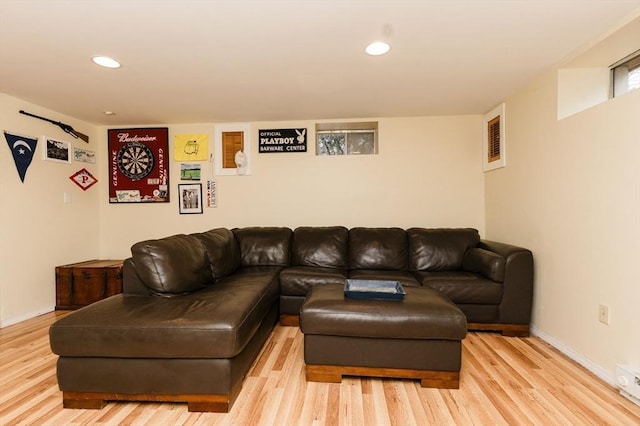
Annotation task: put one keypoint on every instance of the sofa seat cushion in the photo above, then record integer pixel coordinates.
(463, 287)
(216, 322)
(297, 280)
(406, 279)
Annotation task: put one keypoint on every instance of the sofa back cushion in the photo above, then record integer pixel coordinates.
(263, 246)
(439, 249)
(172, 265)
(222, 251)
(378, 248)
(325, 247)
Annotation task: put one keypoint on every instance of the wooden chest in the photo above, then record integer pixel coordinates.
(80, 284)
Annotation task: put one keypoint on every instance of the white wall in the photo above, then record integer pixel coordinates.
(427, 173)
(571, 193)
(37, 230)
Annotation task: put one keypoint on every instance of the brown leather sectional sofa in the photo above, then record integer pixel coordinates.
(196, 309)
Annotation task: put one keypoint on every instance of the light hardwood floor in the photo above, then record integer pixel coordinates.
(504, 381)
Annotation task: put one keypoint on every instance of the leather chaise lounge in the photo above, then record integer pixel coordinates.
(196, 309)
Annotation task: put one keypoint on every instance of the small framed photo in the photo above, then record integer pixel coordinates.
(84, 155)
(189, 171)
(190, 201)
(56, 150)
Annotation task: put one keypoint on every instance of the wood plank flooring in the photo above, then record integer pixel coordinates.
(504, 381)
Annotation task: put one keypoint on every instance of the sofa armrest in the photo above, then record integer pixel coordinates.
(517, 296)
(487, 263)
(131, 283)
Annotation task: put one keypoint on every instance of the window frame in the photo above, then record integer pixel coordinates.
(620, 71)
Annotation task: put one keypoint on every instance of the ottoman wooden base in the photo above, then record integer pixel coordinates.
(419, 337)
(428, 379)
(195, 403)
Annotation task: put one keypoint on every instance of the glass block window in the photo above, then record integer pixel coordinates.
(346, 138)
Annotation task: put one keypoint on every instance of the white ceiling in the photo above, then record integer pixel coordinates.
(251, 60)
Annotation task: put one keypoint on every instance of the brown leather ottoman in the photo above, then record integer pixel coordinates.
(419, 337)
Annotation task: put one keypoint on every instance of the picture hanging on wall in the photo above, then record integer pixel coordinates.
(190, 198)
(84, 155)
(22, 149)
(139, 165)
(189, 171)
(232, 150)
(282, 140)
(83, 179)
(191, 147)
(493, 146)
(56, 150)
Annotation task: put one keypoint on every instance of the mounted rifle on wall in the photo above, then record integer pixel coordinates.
(67, 128)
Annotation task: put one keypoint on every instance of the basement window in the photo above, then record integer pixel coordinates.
(347, 138)
(625, 74)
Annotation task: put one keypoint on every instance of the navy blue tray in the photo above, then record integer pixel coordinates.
(374, 289)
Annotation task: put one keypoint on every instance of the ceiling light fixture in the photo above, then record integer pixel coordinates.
(105, 61)
(377, 48)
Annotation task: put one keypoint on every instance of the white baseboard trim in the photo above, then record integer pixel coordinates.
(599, 371)
(24, 317)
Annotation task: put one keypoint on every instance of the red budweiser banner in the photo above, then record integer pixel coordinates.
(139, 165)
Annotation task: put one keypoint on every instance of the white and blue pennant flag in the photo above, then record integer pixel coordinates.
(22, 148)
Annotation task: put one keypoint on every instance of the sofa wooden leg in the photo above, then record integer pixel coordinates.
(76, 401)
(442, 380)
(290, 320)
(208, 407)
(320, 373)
(516, 332)
(509, 330)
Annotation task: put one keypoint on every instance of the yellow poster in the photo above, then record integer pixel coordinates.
(191, 147)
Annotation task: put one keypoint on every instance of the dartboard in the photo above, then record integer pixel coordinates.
(135, 160)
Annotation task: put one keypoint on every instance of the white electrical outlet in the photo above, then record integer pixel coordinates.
(603, 314)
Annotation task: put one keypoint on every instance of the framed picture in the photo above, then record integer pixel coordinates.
(138, 165)
(189, 171)
(232, 149)
(494, 139)
(56, 150)
(84, 155)
(190, 198)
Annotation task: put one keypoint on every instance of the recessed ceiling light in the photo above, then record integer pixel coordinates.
(377, 48)
(105, 61)
(109, 113)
